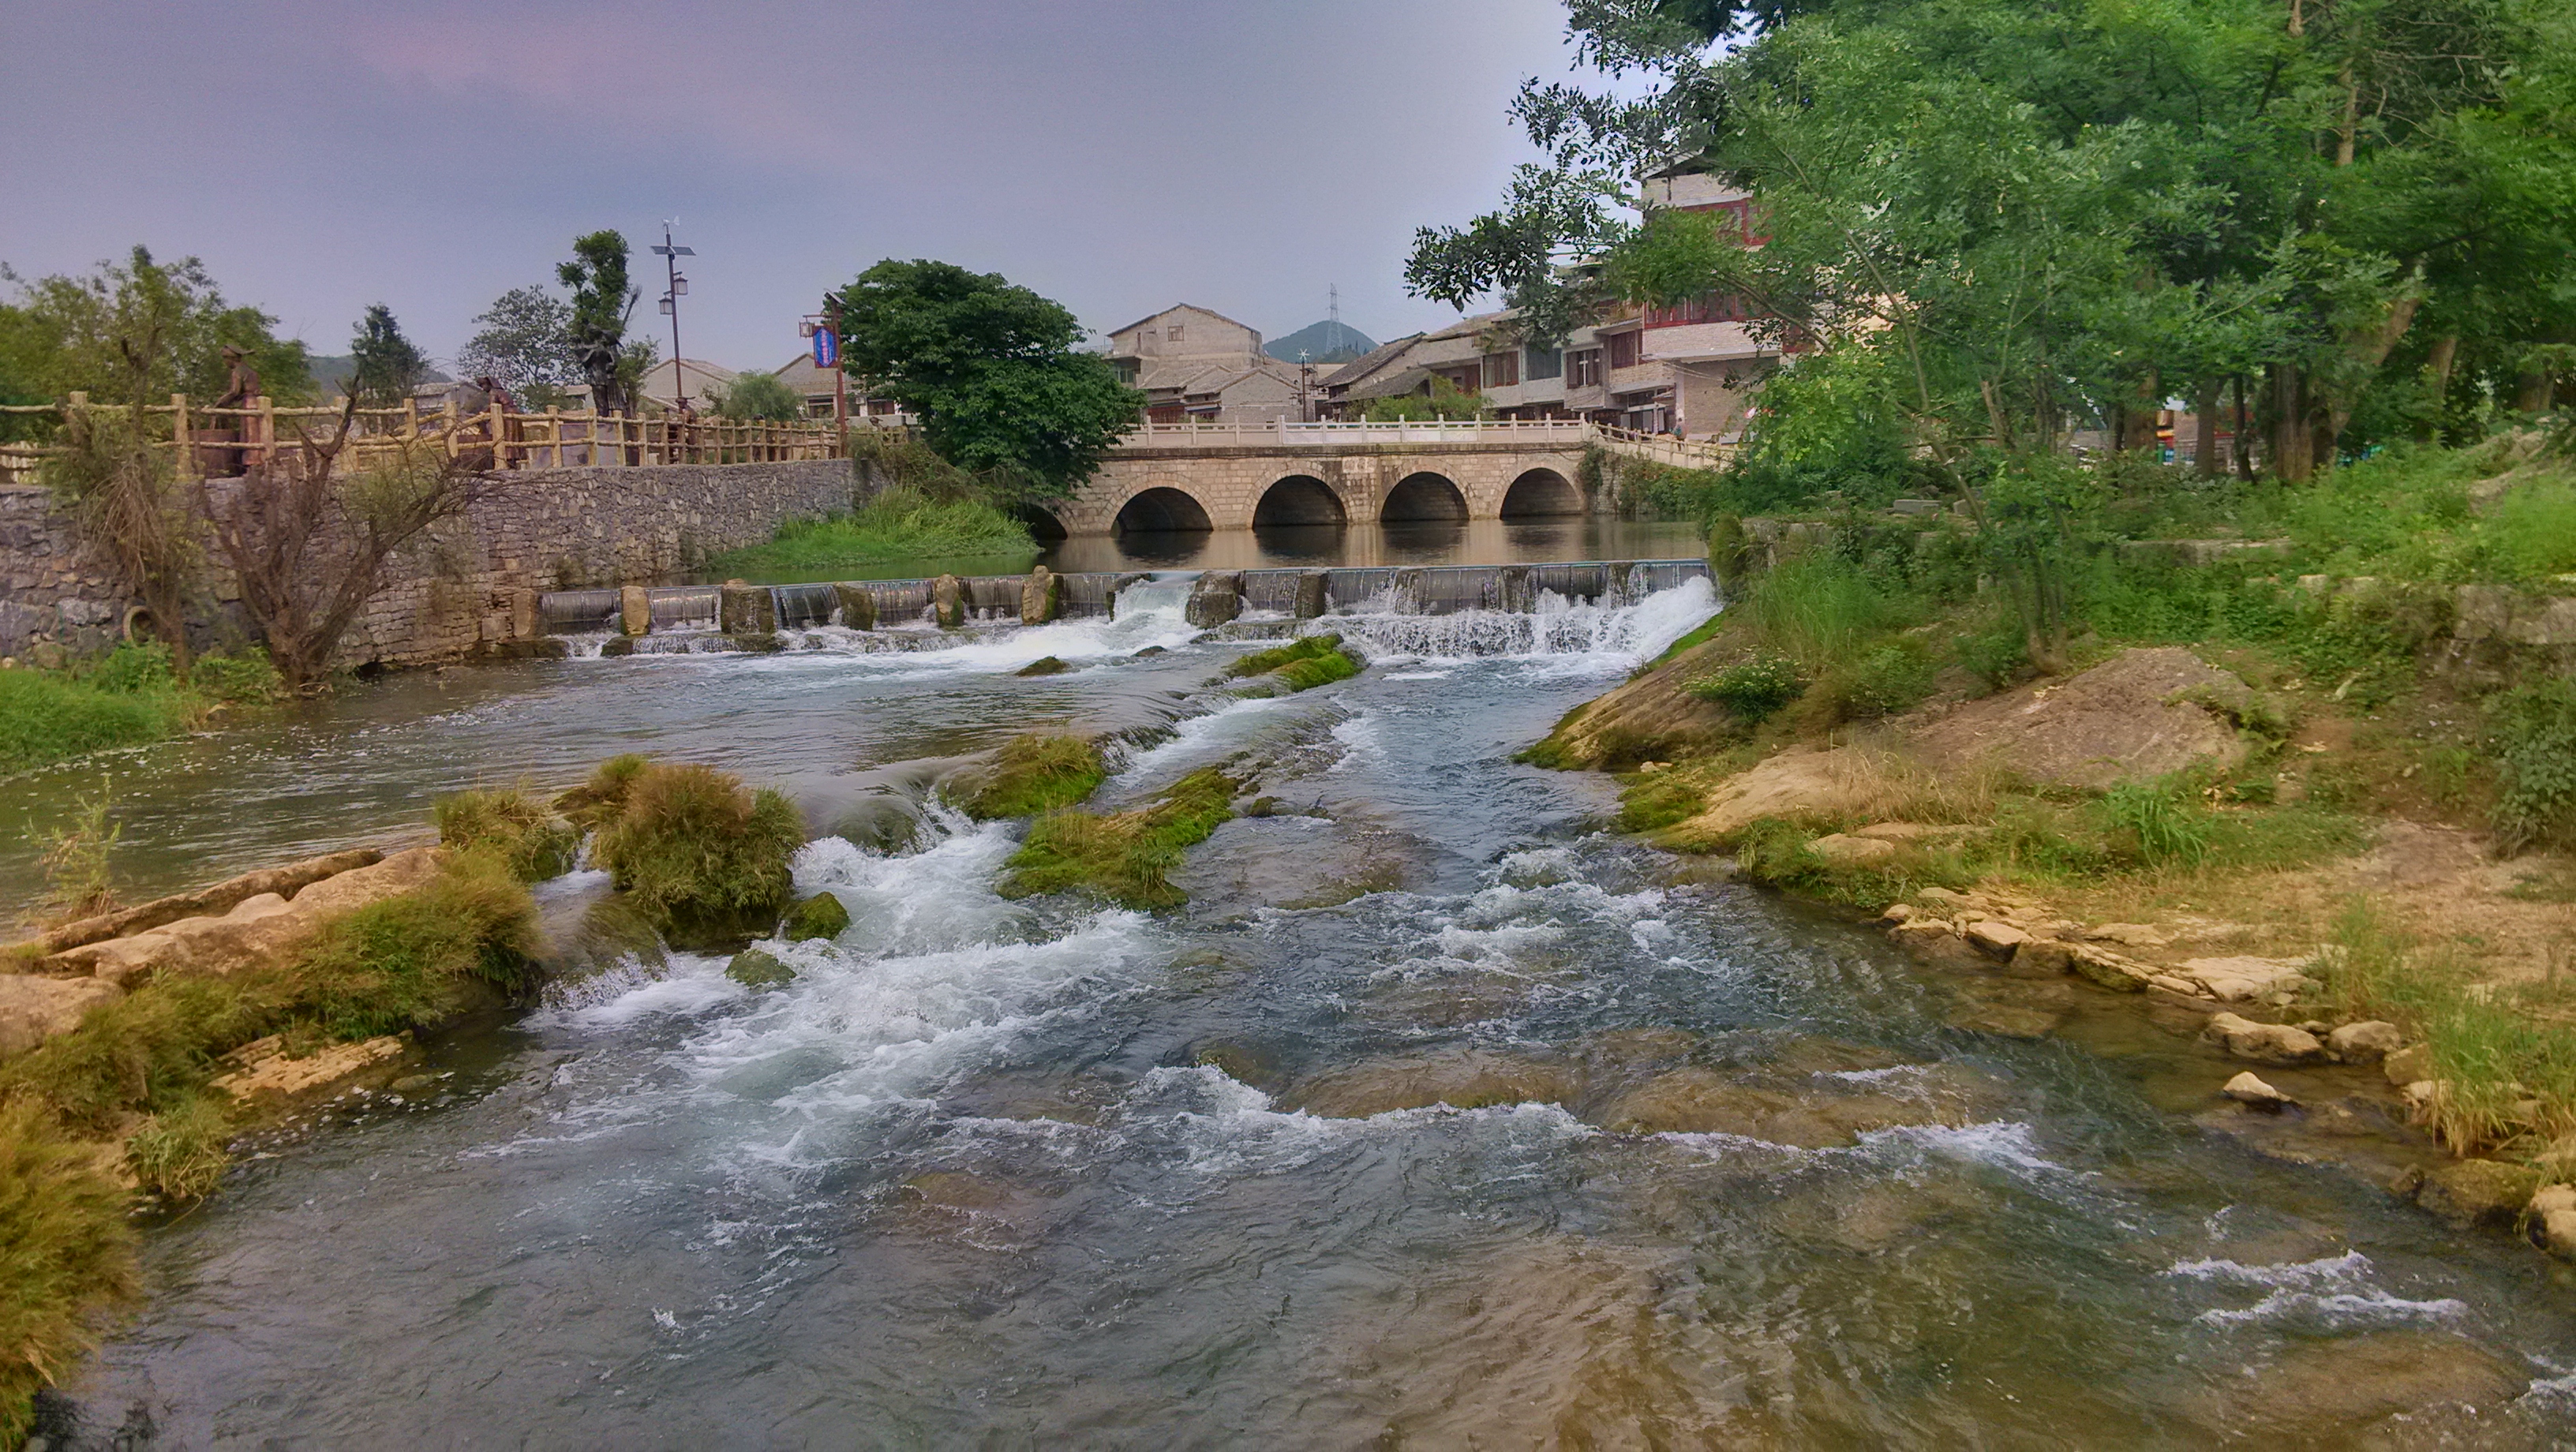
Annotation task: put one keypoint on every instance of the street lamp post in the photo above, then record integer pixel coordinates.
(671, 254)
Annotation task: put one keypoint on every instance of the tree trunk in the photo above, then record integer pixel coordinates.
(2368, 348)
(2243, 443)
(2293, 445)
(2437, 385)
(2204, 443)
(2533, 390)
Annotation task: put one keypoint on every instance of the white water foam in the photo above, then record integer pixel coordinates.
(2334, 1292)
(1558, 627)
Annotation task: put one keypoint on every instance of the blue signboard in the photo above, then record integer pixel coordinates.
(827, 348)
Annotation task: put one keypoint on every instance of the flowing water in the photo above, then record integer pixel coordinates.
(996, 1173)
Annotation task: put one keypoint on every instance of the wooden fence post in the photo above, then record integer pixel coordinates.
(554, 434)
(451, 421)
(185, 465)
(267, 426)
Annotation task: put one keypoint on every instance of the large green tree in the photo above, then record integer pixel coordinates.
(990, 369)
(77, 334)
(385, 366)
(523, 342)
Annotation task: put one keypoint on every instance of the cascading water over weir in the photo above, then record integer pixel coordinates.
(1481, 609)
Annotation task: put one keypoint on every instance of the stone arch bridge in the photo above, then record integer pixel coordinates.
(1223, 477)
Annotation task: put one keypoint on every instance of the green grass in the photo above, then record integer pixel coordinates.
(692, 846)
(1036, 773)
(128, 697)
(532, 840)
(1319, 670)
(1262, 662)
(66, 1255)
(1123, 856)
(897, 524)
(2505, 1055)
(68, 1258)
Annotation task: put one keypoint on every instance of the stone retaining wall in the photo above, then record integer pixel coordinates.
(469, 586)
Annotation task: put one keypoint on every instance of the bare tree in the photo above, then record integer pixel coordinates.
(308, 545)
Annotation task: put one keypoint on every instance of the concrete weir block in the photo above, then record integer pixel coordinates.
(1216, 599)
(1310, 595)
(747, 609)
(858, 606)
(1042, 598)
(634, 610)
(948, 602)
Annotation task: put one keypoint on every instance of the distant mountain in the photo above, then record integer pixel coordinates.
(1324, 342)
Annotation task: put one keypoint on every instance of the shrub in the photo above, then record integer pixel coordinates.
(1755, 690)
(1887, 679)
(1036, 773)
(701, 852)
(1820, 607)
(68, 1254)
(597, 802)
(180, 1153)
(77, 884)
(237, 679)
(534, 842)
(133, 666)
(1123, 856)
(2533, 729)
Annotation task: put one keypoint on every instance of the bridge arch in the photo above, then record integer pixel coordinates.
(1300, 499)
(1424, 496)
(1542, 494)
(1162, 510)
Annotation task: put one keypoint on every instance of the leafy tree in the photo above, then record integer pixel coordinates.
(990, 370)
(524, 343)
(602, 301)
(69, 334)
(1444, 401)
(386, 365)
(760, 396)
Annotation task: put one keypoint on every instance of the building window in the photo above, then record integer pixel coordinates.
(1545, 363)
(1623, 350)
(1583, 369)
(1502, 370)
(1172, 334)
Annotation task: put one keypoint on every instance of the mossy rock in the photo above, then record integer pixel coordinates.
(1261, 662)
(819, 916)
(753, 968)
(1045, 665)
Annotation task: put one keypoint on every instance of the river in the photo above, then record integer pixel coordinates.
(1000, 1173)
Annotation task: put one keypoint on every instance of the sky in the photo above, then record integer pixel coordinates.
(1116, 155)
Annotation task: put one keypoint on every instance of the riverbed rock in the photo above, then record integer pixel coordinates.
(397, 874)
(1796, 781)
(1843, 850)
(267, 1073)
(2364, 1043)
(2131, 935)
(1045, 665)
(1459, 1078)
(753, 968)
(34, 1008)
(948, 602)
(2245, 1088)
(2408, 1065)
(2557, 1233)
(2264, 1043)
(2005, 1020)
(1041, 597)
(2042, 958)
(285, 881)
(1995, 936)
(821, 916)
(2109, 970)
(2478, 1192)
(2136, 716)
(2236, 980)
(2350, 1391)
(1215, 599)
(1935, 943)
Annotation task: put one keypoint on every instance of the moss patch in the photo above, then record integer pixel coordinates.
(1262, 662)
(1036, 773)
(819, 916)
(1321, 670)
(1123, 856)
(753, 968)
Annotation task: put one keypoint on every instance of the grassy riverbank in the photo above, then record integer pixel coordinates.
(130, 697)
(2371, 792)
(899, 524)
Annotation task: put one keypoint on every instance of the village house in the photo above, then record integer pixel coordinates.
(1691, 369)
(1198, 366)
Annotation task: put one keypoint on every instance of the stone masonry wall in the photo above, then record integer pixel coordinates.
(469, 585)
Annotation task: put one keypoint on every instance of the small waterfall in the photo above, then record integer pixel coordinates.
(802, 607)
(577, 612)
(688, 608)
(1558, 626)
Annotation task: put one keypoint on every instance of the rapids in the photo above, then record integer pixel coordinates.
(1002, 1173)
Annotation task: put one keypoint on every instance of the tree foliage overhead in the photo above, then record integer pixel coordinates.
(385, 365)
(73, 334)
(759, 396)
(989, 368)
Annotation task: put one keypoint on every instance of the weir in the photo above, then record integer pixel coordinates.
(905, 609)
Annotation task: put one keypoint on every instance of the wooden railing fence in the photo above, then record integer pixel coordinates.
(218, 442)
